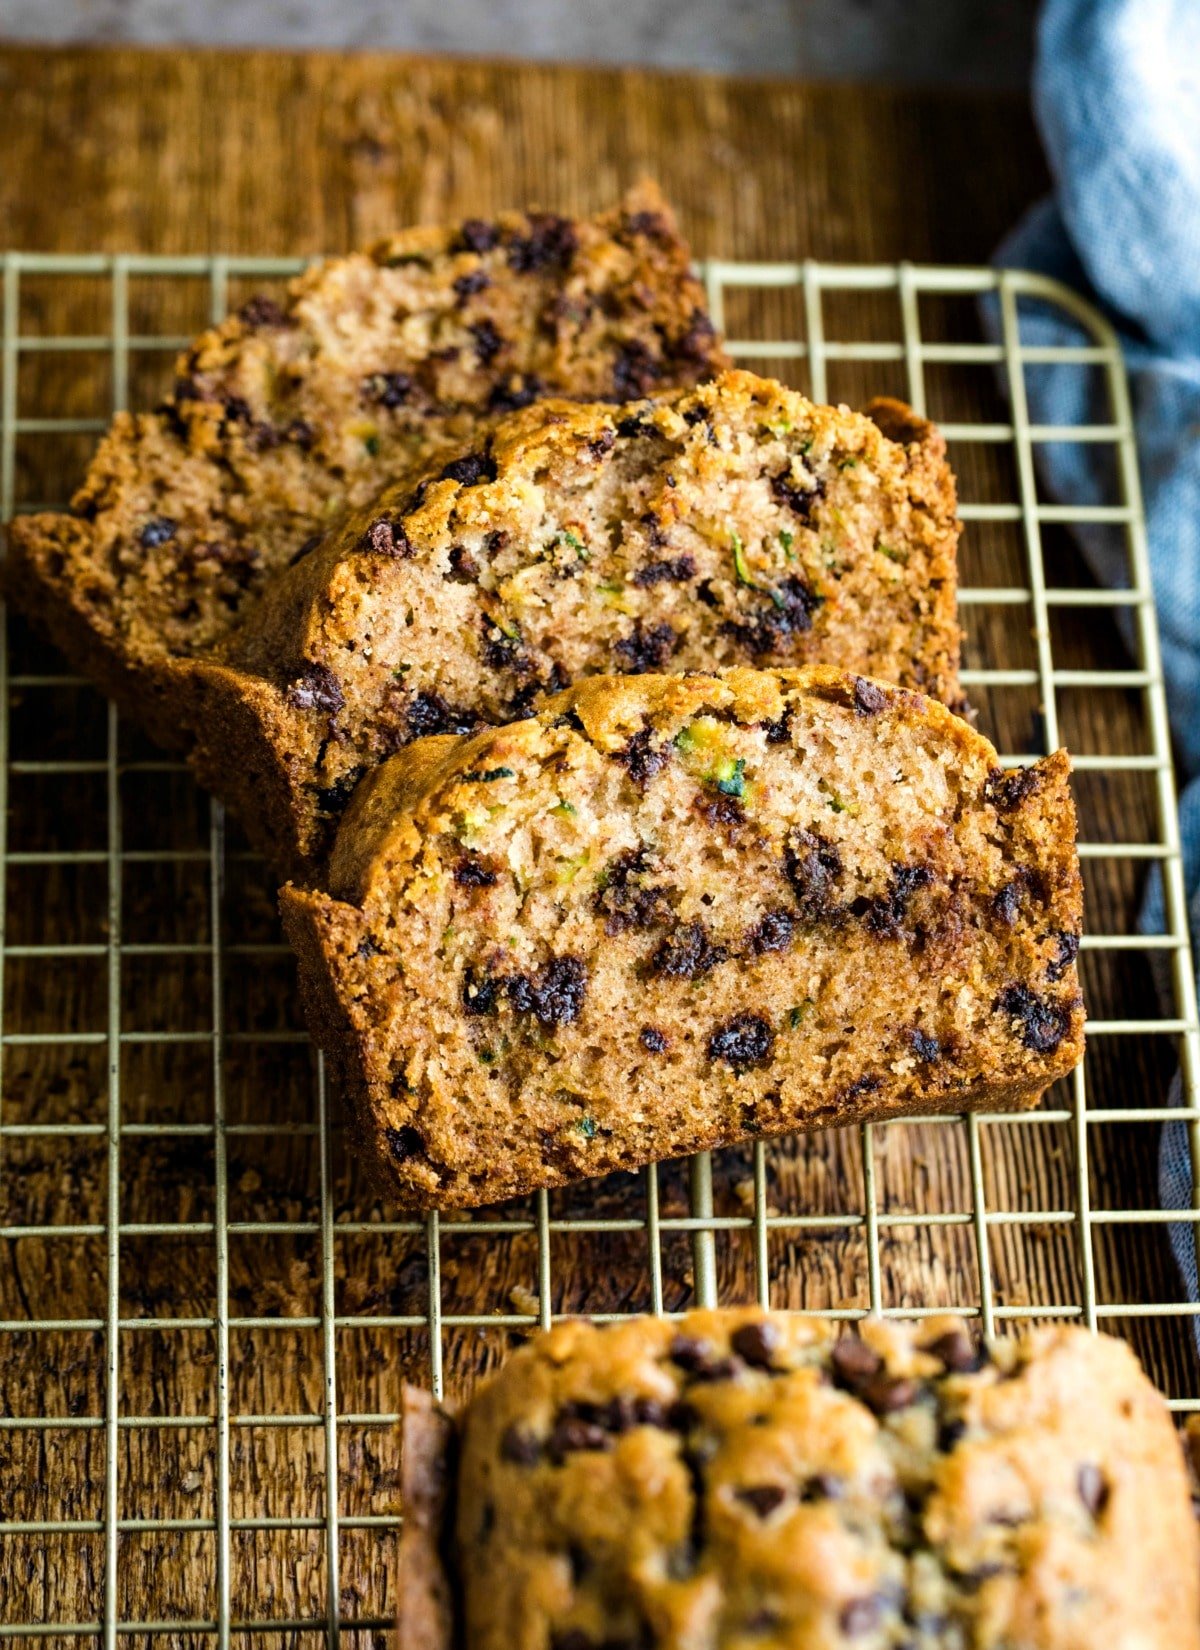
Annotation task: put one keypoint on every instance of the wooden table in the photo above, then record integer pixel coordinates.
(261, 153)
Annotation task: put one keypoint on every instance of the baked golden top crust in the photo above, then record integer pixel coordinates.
(739, 1479)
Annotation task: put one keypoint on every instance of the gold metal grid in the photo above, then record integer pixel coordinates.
(789, 311)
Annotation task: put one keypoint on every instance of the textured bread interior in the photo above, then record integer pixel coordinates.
(671, 912)
(728, 524)
(289, 414)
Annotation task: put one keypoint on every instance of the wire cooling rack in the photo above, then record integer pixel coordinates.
(204, 1316)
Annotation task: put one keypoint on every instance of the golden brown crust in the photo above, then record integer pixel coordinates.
(286, 415)
(670, 913)
(733, 523)
(737, 1478)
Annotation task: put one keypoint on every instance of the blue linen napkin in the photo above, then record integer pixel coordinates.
(1117, 98)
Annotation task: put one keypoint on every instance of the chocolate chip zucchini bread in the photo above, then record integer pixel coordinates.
(289, 413)
(671, 912)
(731, 523)
(739, 1479)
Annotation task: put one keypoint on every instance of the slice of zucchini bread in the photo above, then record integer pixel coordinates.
(289, 413)
(740, 1478)
(671, 912)
(731, 523)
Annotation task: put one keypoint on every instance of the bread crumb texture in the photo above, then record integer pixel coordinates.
(290, 413)
(734, 523)
(671, 912)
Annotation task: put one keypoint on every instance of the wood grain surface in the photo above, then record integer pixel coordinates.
(257, 153)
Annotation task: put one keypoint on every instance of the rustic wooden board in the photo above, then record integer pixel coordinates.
(259, 153)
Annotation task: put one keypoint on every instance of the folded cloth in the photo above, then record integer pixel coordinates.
(1117, 98)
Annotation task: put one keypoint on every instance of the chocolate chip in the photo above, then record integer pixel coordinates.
(868, 1083)
(477, 236)
(316, 688)
(869, 698)
(572, 1435)
(236, 411)
(1094, 1488)
(488, 342)
(763, 1498)
(515, 391)
(924, 1046)
(676, 571)
(332, 799)
(1008, 790)
(652, 1040)
(778, 732)
(699, 1359)
(301, 434)
(688, 1352)
(466, 286)
(157, 531)
(854, 1362)
(642, 759)
(550, 244)
(503, 651)
(388, 389)
(651, 224)
(1006, 903)
(773, 932)
(640, 1412)
(633, 425)
(1043, 1024)
(386, 538)
(885, 914)
(475, 870)
(813, 867)
(885, 1395)
(688, 954)
(757, 1342)
(647, 648)
(405, 1143)
(743, 1042)
(464, 569)
(555, 996)
(721, 810)
(429, 713)
(481, 993)
(800, 500)
(956, 1351)
(786, 611)
(1066, 951)
(470, 469)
